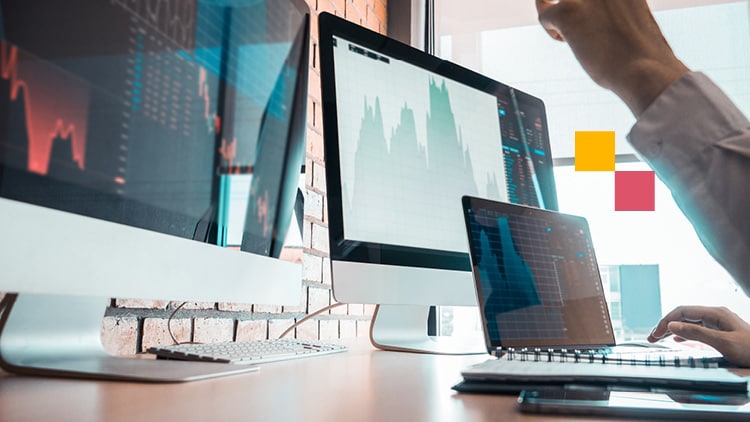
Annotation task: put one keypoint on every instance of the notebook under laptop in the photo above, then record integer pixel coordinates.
(539, 287)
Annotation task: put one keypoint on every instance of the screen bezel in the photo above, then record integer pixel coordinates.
(342, 248)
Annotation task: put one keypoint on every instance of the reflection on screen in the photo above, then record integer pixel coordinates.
(539, 279)
(131, 111)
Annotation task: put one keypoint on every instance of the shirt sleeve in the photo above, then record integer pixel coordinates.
(698, 143)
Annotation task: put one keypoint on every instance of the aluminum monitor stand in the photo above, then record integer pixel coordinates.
(53, 335)
(403, 328)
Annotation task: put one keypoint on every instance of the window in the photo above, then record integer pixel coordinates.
(503, 40)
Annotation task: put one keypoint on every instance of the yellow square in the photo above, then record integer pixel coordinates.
(595, 151)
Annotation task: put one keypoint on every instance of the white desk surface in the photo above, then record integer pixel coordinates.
(362, 384)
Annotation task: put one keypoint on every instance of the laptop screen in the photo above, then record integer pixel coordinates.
(537, 279)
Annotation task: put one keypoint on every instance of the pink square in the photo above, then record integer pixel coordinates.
(634, 191)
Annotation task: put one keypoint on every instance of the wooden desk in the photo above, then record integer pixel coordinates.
(362, 384)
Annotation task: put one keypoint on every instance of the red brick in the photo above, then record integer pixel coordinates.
(312, 268)
(317, 121)
(312, 60)
(381, 10)
(327, 271)
(270, 309)
(327, 6)
(329, 329)
(310, 113)
(291, 253)
(313, 87)
(306, 237)
(356, 309)
(338, 5)
(339, 310)
(308, 171)
(308, 330)
(155, 331)
(353, 16)
(120, 335)
(195, 305)
(319, 177)
(317, 298)
(360, 6)
(314, 144)
(141, 304)
(320, 238)
(314, 205)
(348, 328)
(252, 330)
(213, 330)
(372, 21)
(235, 307)
(313, 23)
(325, 210)
(278, 326)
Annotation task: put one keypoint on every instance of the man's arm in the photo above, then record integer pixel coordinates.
(618, 43)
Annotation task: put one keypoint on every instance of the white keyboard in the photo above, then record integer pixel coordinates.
(247, 353)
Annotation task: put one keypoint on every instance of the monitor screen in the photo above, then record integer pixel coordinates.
(406, 136)
(142, 113)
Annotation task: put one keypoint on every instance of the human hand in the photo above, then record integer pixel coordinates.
(618, 43)
(718, 327)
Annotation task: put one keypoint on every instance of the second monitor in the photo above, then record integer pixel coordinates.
(406, 136)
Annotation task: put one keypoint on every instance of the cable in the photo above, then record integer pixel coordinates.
(169, 324)
(287, 331)
(316, 313)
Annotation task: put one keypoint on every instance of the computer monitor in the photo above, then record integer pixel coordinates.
(124, 128)
(406, 135)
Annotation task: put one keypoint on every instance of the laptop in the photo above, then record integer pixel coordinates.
(540, 291)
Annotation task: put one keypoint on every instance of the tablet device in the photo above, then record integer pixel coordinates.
(680, 405)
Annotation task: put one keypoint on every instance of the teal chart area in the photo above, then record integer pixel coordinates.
(538, 277)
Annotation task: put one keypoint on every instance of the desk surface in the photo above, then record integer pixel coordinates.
(362, 384)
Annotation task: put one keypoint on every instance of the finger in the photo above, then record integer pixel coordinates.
(714, 338)
(542, 6)
(719, 318)
(654, 336)
(711, 317)
(680, 313)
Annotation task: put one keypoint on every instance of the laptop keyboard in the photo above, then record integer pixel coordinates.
(634, 355)
(247, 353)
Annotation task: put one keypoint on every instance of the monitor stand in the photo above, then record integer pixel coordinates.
(55, 335)
(403, 328)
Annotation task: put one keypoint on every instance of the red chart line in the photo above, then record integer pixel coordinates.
(9, 72)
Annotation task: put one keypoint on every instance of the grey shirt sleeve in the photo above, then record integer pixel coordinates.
(698, 143)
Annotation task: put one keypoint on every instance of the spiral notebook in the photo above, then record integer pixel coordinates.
(540, 292)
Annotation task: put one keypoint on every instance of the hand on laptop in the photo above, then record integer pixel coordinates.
(618, 43)
(718, 327)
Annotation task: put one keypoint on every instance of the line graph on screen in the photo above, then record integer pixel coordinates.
(48, 112)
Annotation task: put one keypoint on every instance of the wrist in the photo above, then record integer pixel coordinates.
(640, 83)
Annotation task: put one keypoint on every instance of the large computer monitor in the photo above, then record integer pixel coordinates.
(406, 135)
(124, 129)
